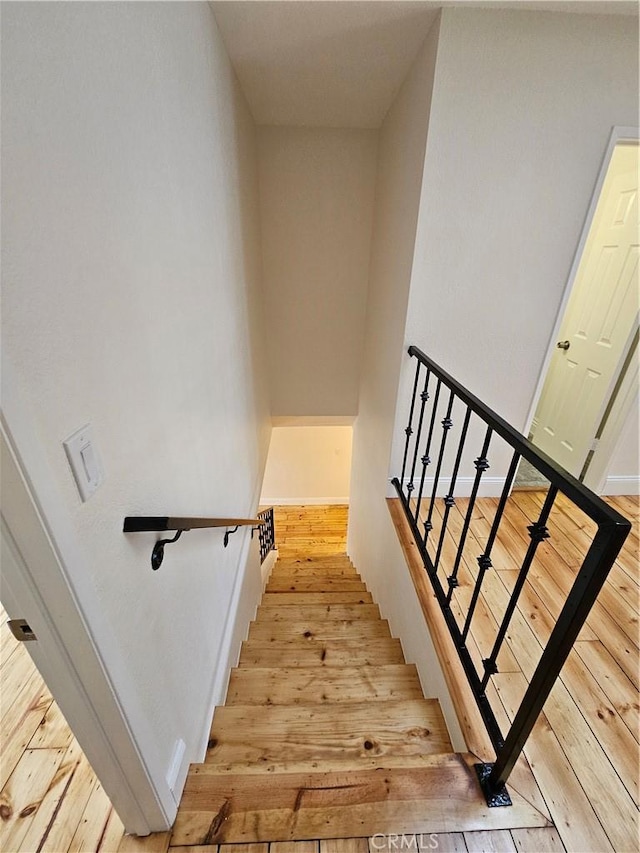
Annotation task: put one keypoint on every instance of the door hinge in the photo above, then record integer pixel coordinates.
(594, 444)
(21, 630)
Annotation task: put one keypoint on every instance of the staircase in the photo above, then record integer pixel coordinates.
(325, 732)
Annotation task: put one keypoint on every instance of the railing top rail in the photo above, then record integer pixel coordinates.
(584, 498)
(146, 523)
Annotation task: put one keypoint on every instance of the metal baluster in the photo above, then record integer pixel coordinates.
(582, 596)
(537, 533)
(447, 423)
(482, 465)
(426, 459)
(450, 501)
(484, 560)
(409, 430)
(424, 396)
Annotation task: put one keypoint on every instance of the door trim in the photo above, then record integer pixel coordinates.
(618, 134)
(40, 550)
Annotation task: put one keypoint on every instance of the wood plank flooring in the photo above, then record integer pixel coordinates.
(74, 814)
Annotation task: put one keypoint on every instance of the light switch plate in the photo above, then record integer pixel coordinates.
(85, 462)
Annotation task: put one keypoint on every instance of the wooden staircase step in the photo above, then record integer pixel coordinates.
(250, 734)
(319, 584)
(316, 563)
(314, 685)
(441, 795)
(277, 599)
(317, 630)
(304, 612)
(304, 571)
(329, 653)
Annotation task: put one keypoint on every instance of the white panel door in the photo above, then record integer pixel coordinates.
(600, 316)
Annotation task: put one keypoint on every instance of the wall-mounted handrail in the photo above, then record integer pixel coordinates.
(144, 523)
(435, 397)
(156, 523)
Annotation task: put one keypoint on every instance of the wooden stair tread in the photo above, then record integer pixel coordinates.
(439, 796)
(316, 631)
(304, 572)
(319, 584)
(315, 685)
(251, 734)
(300, 612)
(329, 653)
(277, 599)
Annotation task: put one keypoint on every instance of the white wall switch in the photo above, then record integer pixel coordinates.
(85, 461)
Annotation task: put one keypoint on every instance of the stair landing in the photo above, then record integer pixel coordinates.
(326, 733)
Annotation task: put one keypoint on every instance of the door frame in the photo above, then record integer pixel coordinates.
(623, 401)
(43, 582)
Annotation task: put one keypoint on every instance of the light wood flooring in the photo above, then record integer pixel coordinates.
(583, 752)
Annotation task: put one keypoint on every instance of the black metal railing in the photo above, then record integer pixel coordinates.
(266, 533)
(465, 423)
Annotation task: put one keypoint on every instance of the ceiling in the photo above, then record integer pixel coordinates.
(322, 64)
(340, 63)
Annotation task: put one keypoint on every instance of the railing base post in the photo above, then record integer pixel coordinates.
(495, 796)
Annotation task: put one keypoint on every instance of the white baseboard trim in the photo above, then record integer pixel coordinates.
(303, 501)
(621, 486)
(267, 566)
(490, 487)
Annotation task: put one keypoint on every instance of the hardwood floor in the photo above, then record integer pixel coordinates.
(584, 752)
(584, 748)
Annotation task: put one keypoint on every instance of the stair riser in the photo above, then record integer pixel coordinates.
(314, 585)
(356, 629)
(277, 599)
(311, 686)
(327, 654)
(313, 612)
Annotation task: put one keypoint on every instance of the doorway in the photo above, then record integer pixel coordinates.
(597, 336)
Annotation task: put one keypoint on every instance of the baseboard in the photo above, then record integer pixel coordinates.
(304, 501)
(621, 486)
(267, 566)
(490, 487)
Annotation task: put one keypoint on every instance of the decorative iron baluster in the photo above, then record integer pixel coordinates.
(266, 533)
(409, 430)
(424, 396)
(583, 594)
(426, 459)
(447, 423)
(537, 533)
(484, 560)
(449, 500)
(481, 465)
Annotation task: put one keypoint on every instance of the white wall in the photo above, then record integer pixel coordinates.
(623, 475)
(308, 465)
(372, 544)
(521, 115)
(316, 201)
(131, 265)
